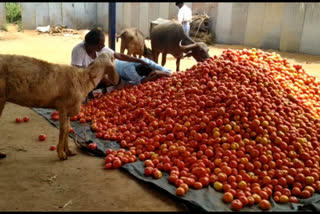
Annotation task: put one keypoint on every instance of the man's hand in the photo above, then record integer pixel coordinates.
(156, 74)
(161, 73)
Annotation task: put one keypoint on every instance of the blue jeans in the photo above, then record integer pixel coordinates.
(186, 27)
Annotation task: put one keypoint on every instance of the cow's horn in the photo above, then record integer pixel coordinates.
(187, 47)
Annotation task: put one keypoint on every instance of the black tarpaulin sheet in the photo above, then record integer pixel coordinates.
(206, 199)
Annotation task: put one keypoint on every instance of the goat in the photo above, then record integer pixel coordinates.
(31, 82)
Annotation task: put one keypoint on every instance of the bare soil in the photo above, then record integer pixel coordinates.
(32, 178)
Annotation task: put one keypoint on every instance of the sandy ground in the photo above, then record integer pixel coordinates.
(33, 179)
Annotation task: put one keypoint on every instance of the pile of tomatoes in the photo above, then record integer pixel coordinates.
(245, 122)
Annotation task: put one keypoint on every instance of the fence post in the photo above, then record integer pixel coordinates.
(2, 16)
(112, 25)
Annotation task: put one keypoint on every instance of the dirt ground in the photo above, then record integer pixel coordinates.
(33, 179)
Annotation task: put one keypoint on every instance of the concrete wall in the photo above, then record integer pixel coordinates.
(254, 26)
(311, 31)
(283, 26)
(55, 14)
(292, 27)
(103, 15)
(74, 15)
(223, 27)
(83, 15)
(2, 15)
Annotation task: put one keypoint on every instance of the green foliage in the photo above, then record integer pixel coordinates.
(13, 12)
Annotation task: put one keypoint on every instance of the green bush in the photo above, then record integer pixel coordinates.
(13, 12)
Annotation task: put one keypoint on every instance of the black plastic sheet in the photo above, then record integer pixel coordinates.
(206, 199)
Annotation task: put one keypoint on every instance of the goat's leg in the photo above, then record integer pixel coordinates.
(122, 48)
(164, 58)
(66, 145)
(178, 64)
(62, 147)
(2, 95)
(2, 103)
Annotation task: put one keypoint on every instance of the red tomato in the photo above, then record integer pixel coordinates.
(205, 181)
(92, 146)
(26, 119)
(180, 191)
(264, 204)
(236, 205)
(53, 147)
(157, 174)
(185, 187)
(227, 197)
(42, 137)
(148, 171)
(197, 185)
(19, 120)
(149, 163)
(108, 166)
(116, 163)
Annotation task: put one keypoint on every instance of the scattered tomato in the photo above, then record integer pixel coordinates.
(26, 119)
(42, 137)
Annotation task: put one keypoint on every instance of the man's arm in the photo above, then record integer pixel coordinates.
(155, 66)
(127, 58)
(154, 75)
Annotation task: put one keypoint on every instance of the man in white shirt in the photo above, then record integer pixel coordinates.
(184, 16)
(86, 51)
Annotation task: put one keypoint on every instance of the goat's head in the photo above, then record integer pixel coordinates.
(106, 60)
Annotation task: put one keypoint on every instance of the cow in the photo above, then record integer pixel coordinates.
(132, 40)
(170, 38)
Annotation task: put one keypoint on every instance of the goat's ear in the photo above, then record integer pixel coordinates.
(92, 67)
(113, 75)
